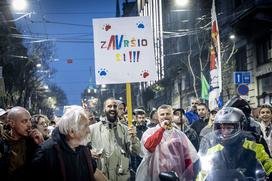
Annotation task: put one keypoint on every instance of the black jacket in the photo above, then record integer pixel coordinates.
(56, 161)
(15, 157)
(240, 153)
(199, 125)
(191, 134)
(235, 156)
(141, 128)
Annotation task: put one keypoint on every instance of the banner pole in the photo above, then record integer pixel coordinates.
(129, 104)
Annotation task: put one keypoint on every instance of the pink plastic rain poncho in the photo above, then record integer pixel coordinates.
(170, 155)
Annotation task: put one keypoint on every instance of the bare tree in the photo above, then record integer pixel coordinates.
(191, 68)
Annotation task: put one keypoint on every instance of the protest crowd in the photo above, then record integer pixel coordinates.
(194, 143)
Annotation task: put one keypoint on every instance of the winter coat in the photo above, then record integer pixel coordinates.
(56, 161)
(199, 125)
(112, 141)
(141, 128)
(191, 134)
(15, 157)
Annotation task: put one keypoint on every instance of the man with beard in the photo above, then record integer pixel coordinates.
(140, 122)
(64, 156)
(112, 143)
(192, 115)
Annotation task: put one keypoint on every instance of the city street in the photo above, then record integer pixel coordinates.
(143, 90)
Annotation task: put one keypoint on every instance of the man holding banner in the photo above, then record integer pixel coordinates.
(112, 143)
(125, 44)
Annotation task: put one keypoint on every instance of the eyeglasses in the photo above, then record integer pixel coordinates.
(43, 124)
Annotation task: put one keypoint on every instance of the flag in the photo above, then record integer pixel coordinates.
(204, 87)
(215, 64)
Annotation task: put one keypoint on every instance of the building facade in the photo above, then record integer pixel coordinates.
(184, 47)
(251, 22)
(186, 41)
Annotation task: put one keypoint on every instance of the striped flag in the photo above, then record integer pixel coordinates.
(215, 100)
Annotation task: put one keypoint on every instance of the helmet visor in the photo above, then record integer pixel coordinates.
(226, 131)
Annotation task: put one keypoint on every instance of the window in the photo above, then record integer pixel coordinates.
(264, 50)
(241, 59)
(265, 89)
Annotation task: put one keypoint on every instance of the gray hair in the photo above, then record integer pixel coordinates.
(165, 106)
(71, 119)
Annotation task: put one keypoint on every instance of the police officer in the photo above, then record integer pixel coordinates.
(249, 124)
(231, 153)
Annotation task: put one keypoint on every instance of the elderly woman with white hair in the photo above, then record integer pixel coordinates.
(64, 156)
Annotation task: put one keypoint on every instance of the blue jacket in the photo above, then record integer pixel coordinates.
(191, 116)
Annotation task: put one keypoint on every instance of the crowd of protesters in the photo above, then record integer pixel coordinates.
(78, 146)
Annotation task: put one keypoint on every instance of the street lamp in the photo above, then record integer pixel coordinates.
(182, 2)
(232, 36)
(39, 65)
(19, 5)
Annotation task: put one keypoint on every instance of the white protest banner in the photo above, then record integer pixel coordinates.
(124, 50)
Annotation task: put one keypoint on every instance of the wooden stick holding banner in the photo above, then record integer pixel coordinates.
(129, 104)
